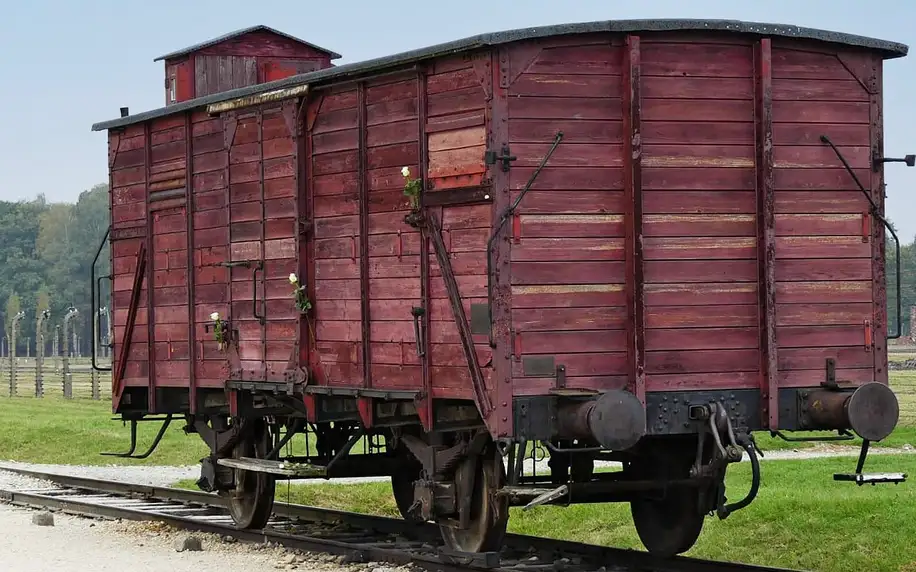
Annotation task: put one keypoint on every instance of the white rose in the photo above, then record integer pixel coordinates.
(405, 171)
(214, 316)
(293, 279)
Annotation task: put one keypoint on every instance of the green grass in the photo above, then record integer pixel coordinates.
(57, 430)
(801, 518)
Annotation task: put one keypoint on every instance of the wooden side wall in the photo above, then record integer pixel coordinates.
(684, 155)
(824, 245)
(360, 138)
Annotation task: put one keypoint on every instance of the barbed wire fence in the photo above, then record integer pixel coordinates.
(66, 372)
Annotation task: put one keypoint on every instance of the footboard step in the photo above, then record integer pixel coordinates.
(484, 560)
(273, 467)
(871, 478)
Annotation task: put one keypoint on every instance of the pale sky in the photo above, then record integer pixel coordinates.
(67, 65)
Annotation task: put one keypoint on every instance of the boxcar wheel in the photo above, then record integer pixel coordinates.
(489, 513)
(671, 524)
(402, 483)
(252, 503)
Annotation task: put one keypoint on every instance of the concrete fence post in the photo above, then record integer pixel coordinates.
(40, 352)
(14, 326)
(67, 376)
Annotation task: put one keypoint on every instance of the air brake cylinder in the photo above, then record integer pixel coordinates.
(871, 410)
(617, 420)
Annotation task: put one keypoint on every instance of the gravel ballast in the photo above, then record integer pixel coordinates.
(77, 543)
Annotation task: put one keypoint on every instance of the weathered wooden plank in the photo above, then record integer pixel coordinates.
(700, 294)
(810, 134)
(702, 361)
(719, 316)
(800, 64)
(557, 319)
(699, 225)
(701, 339)
(792, 359)
(698, 202)
(540, 273)
(457, 101)
(717, 88)
(569, 249)
(706, 179)
(579, 60)
(571, 342)
(570, 226)
(697, 133)
(566, 85)
(697, 60)
(810, 90)
(822, 247)
(822, 314)
(697, 110)
(693, 271)
(825, 112)
(594, 108)
(701, 248)
(565, 295)
(823, 292)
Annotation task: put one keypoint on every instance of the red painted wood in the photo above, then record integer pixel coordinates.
(257, 192)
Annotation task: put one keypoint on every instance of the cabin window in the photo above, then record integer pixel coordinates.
(172, 90)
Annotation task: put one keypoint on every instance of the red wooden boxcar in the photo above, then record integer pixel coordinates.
(632, 241)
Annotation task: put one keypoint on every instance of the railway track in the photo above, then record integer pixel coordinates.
(359, 537)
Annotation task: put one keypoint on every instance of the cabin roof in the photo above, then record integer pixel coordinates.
(242, 32)
(888, 49)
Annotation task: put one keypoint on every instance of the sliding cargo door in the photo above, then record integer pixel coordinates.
(262, 234)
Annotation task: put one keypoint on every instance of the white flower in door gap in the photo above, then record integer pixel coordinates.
(293, 279)
(214, 316)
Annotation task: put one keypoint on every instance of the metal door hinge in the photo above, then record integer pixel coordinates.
(490, 157)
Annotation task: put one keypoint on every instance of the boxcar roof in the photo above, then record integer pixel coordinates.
(888, 49)
(242, 32)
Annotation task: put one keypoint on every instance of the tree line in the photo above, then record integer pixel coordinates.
(46, 253)
(47, 250)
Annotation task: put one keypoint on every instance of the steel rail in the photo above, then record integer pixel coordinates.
(370, 541)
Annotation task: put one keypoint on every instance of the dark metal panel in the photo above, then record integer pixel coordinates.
(189, 210)
(501, 301)
(668, 411)
(635, 282)
(480, 318)
(539, 366)
(766, 232)
(363, 183)
(535, 417)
